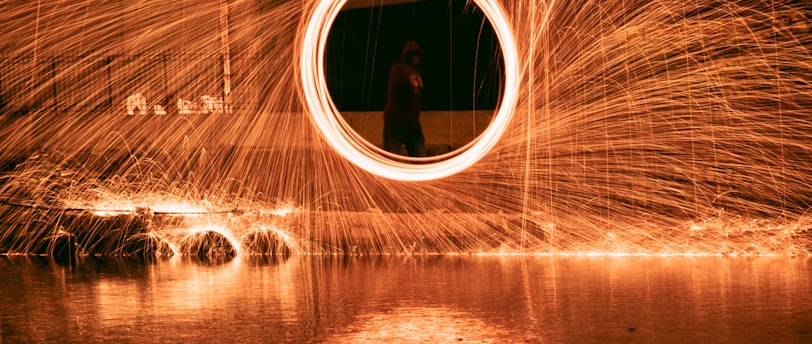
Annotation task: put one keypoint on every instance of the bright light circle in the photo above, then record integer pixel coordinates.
(352, 146)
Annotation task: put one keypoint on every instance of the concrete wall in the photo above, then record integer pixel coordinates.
(441, 128)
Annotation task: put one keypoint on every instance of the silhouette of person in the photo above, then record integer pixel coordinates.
(401, 115)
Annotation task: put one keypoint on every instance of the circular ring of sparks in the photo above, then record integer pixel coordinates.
(355, 148)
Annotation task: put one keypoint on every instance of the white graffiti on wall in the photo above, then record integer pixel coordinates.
(136, 101)
(187, 107)
(204, 106)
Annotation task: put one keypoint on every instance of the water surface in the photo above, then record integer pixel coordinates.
(408, 299)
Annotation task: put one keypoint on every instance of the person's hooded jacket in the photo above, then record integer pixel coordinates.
(403, 103)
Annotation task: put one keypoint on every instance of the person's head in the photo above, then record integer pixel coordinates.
(411, 53)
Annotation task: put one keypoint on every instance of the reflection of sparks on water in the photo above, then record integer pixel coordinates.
(421, 325)
(640, 127)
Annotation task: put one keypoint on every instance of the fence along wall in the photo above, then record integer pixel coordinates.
(57, 60)
(100, 83)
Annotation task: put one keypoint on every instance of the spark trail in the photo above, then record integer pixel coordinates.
(640, 127)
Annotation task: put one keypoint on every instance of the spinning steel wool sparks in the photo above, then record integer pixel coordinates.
(627, 127)
(350, 145)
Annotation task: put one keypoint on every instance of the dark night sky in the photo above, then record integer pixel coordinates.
(461, 65)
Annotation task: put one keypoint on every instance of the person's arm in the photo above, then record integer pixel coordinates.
(399, 75)
(401, 80)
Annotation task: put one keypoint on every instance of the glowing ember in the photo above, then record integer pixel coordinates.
(112, 205)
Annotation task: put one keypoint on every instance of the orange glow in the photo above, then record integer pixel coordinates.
(112, 205)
